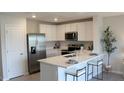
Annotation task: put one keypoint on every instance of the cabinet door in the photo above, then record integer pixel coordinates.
(73, 27)
(81, 31)
(67, 27)
(43, 28)
(89, 31)
(60, 32)
(49, 31)
(53, 33)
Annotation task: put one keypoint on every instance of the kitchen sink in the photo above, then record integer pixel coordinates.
(70, 61)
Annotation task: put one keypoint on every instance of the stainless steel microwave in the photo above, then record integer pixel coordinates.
(71, 36)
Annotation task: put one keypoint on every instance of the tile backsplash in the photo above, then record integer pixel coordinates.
(64, 44)
(86, 44)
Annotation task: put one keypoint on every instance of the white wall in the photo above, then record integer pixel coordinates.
(8, 20)
(117, 26)
(0, 59)
(32, 26)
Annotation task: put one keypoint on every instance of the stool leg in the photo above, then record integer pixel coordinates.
(97, 71)
(73, 78)
(76, 78)
(87, 71)
(102, 71)
(65, 76)
(92, 71)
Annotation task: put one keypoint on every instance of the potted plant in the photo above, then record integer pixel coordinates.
(108, 41)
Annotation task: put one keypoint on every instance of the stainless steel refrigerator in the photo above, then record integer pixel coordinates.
(36, 50)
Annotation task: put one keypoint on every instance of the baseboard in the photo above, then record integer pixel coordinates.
(4, 79)
(26, 73)
(117, 72)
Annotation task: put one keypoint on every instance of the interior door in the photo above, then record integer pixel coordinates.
(15, 42)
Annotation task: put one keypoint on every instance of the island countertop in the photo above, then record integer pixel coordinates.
(61, 61)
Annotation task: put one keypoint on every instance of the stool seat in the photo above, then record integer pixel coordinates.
(73, 71)
(95, 63)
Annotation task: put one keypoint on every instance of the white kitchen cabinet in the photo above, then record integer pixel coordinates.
(57, 32)
(67, 27)
(85, 31)
(43, 28)
(72, 27)
(53, 33)
(60, 32)
(89, 31)
(49, 31)
(81, 31)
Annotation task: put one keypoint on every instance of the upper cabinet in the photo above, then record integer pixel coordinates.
(49, 31)
(60, 32)
(43, 28)
(89, 31)
(67, 27)
(73, 27)
(57, 32)
(85, 31)
(81, 31)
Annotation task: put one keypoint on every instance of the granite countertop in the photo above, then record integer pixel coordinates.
(62, 61)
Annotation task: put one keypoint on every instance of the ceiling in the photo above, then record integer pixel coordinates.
(62, 16)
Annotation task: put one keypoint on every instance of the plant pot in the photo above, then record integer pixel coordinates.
(108, 68)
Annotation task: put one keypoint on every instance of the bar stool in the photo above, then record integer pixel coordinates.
(75, 72)
(96, 63)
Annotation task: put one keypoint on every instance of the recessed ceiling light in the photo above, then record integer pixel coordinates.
(55, 19)
(33, 16)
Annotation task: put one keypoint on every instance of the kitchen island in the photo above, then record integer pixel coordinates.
(53, 68)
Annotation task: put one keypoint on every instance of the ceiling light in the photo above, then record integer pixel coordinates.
(33, 16)
(55, 19)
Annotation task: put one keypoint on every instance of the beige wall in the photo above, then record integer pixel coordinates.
(117, 26)
(32, 26)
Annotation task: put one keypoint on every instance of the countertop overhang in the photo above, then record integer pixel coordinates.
(62, 61)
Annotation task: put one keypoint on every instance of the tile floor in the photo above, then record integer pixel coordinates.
(36, 77)
(110, 77)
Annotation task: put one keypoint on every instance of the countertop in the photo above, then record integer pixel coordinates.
(61, 61)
